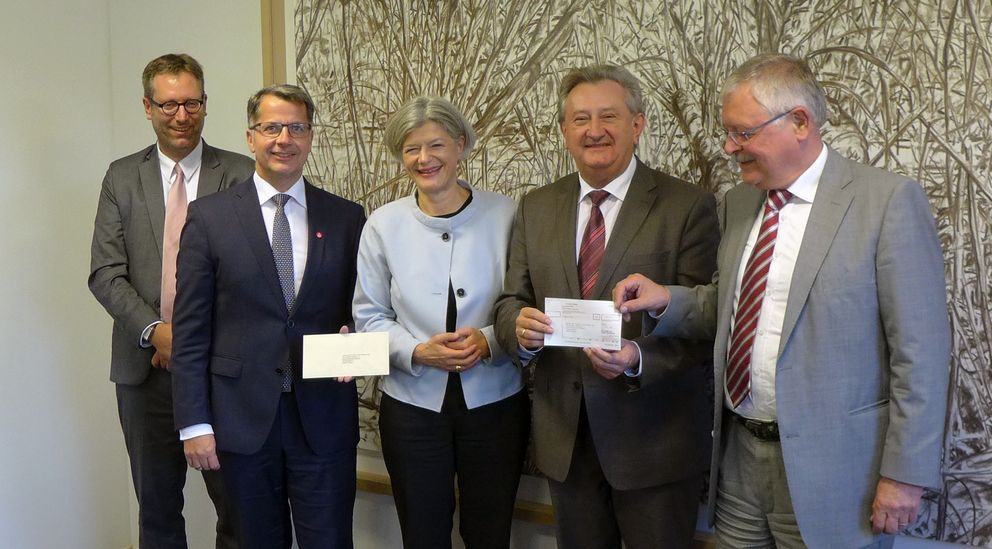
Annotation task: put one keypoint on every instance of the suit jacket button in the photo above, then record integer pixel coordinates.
(445, 237)
(577, 385)
(290, 323)
(460, 292)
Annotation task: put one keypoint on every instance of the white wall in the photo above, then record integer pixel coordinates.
(225, 36)
(63, 479)
(71, 98)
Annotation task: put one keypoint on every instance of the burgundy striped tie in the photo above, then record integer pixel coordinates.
(593, 245)
(749, 302)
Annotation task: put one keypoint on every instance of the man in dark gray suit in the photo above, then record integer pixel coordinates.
(622, 436)
(831, 335)
(126, 276)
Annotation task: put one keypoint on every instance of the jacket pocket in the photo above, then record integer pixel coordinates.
(224, 366)
(869, 407)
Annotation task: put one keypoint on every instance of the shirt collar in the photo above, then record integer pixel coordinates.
(266, 191)
(190, 163)
(804, 187)
(617, 188)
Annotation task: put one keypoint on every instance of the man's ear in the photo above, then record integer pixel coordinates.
(802, 122)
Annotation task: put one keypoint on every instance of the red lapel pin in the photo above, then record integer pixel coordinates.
(319, 234)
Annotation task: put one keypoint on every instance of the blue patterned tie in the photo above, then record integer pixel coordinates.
(282, 252)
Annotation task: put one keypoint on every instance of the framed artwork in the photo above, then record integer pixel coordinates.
(908, 85)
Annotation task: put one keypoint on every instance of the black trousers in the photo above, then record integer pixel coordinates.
(425, 450)
(591, 514)
(285, 486)
(158, 466)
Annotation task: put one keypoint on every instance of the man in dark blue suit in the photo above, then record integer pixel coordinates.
(260, 265)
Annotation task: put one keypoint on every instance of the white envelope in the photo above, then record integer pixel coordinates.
(343, 355)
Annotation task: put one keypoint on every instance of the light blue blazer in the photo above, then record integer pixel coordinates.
(405, 260)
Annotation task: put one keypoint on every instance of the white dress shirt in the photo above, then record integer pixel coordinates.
(610, 207)
(792, 218)
(191, 171)
(296, 214)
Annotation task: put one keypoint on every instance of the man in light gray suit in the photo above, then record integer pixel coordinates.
(126, 278)
(622, 436)
(831, 330)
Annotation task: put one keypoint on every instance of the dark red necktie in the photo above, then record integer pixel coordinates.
(593, 245)
(749, 302)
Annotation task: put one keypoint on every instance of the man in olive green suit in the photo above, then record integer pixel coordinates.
(622, 436)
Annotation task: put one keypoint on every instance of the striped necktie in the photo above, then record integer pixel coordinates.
(751, 296)
(593, 245)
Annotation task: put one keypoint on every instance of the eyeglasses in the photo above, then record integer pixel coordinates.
(170, 108)
(743, 136)
(274, 129)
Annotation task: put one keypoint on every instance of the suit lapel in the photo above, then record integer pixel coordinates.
(151, 185)
(568, 201)
(249, 215)
(315, 245)
(210, 172)
(641, 197)
(829, 207)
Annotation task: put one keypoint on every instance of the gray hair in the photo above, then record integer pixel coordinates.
(423, 109)
(286, 92)
(780, 82)
(634, 97)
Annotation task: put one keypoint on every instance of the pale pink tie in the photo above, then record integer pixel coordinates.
(749, 303)
(175, 218)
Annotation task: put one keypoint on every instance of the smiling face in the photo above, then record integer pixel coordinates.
(600, 131)
(178, 134)
(431, 156)
(774, 157)
(279, 160)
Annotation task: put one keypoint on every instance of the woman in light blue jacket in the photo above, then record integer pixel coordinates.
(430, 267)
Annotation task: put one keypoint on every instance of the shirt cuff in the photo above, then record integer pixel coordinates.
(194, 431)
(146, 335)
(635, 371)
(526, 355)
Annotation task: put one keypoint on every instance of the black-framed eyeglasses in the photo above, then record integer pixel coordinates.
(274, 129)
(170, 108)
(743, 136)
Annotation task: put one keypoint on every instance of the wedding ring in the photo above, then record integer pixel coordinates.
(458, 368)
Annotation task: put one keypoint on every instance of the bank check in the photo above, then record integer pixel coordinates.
(342, 355)
(582, 323)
